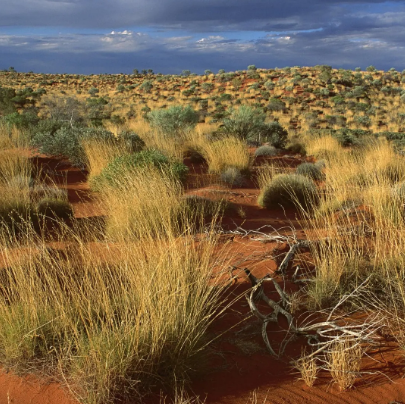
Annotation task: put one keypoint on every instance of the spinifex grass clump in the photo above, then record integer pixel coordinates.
(100, 152)
(289, 190)
(310, 170)
(122, 166)
(233, 177)
(113, 320)
(226, 152)
(266, 150)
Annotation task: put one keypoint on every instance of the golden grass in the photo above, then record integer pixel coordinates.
(99, 153)
(113, 323)
(308, 369)
(223, 153)
(344, 362)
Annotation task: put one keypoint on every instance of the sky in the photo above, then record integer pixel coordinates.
(169, 36)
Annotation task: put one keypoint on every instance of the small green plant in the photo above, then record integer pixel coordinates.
(289, 190)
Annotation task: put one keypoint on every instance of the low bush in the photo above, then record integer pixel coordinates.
(66, 142)
(266, 150)
(120, 166)
(310, 170)
(297, 148)
(50, 208)
(233, 177)
(132, 142)
(289, 190)
(173, 121)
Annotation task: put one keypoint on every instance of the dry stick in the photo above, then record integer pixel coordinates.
(290, 255)
(358, 332)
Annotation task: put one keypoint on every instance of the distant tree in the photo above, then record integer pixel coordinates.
(150, 71)
(371, 69)
(135, 71)
(144, 71)
(186, 73)
(221, 71)
(207, 72)
(252, 67)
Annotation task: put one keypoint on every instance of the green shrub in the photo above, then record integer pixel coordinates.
(297, 148)
(346, 137)
(247, 123)
(275, 134)
(266, 150)
(288, 190)
(66, 142)
(310, 170)
(122, 165)
(244, 122)
(276, 104)
(49, 208)
(174, 120)
(133, 142)
(233, 177)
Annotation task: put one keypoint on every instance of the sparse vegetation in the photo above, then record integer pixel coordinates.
(119, 304)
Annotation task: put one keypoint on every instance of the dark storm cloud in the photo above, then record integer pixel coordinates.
(200, 34)
(193, 14)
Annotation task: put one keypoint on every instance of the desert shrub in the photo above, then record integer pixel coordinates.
(174, 120)
(321, 164)
(133, 143)
(289, 190)
(392, 135)
(346, 137)
(57, 209)
(195, 155)
(275, 105)
(146, 86)
(233, 177)
(274, 133)
(265, 150)
(66, 142)
(25, 120)
(363, 121)
(247, 123)
(244, 122)
(120, 166)
(297, 148)
(310, 170)
(47, 126)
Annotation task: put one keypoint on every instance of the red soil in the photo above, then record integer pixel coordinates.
(239, 370)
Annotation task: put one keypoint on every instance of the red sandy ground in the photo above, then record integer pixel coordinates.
(239, 369)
